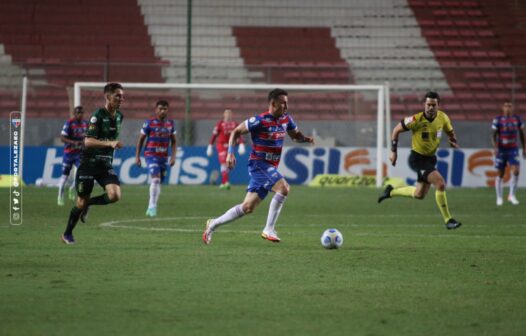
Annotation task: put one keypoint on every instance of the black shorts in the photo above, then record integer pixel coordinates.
(423, 165)
(87, 174)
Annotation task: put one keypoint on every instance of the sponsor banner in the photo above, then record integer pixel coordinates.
(460, 167)
(332, 180)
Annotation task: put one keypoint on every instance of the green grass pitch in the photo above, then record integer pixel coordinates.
(399, 271)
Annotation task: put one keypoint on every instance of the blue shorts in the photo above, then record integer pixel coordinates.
(157, 166)
(263, 176)
(507, 157)
(68, 160)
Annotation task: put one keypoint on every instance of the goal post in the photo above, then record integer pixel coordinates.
(379, 92)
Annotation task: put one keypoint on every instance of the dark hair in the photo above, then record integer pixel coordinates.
(162, 102)
(274, 94)
(112, 87)
(78, 109)
(432, 95)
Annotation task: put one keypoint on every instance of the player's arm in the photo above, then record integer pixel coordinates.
(494, 134)
(521, 135)
(138, 148)
(69, 141)
(452, 139)
(91, 139)
(213, 138)
(299, 137)
(400, 128)
(234, 136)
(173, 154)
(241, 146)
(91, 142)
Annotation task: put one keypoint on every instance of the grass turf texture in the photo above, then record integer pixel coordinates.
(399, 272)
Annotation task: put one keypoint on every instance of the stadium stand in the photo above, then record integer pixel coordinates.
(466, 39)
(61, 42)
(463, 49)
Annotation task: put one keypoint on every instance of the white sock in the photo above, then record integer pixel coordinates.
(274, 209)
(229, 216)
(498, 186)
(155, 191)
(73, 174)
(61, 185)
(513, 184)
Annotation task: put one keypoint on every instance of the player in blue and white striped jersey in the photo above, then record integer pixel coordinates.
(268, 131)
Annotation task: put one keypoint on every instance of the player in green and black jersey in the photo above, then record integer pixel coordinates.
(96, 159)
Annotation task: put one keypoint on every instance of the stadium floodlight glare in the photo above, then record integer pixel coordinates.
(382, 97)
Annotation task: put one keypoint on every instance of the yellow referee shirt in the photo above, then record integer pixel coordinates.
(427, 134)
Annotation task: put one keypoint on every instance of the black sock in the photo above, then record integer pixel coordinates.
(73, 219)
(100, 200)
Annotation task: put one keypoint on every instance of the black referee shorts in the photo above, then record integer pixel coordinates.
(423, 165)
(88, 173)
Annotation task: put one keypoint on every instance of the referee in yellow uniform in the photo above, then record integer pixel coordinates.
(427, 128)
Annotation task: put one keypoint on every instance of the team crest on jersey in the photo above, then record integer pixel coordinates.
(93, 120)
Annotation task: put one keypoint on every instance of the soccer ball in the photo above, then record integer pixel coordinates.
(331, 239)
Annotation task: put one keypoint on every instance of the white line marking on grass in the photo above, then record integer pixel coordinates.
(124, 224)
(121, 224)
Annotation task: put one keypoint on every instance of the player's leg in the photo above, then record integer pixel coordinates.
(251, 201)
(440, 197)
(109, 181)
(281, 189)
(500, 164)
(256, 193)
(416, 163)
(84, 185)
(514, 181)
(72, 195)
(225, 182)
(155, 187)
(66, 170)
(225, 171)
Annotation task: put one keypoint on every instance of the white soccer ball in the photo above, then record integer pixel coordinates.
(331, 239)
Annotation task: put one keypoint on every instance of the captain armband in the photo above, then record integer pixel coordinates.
(394, 145)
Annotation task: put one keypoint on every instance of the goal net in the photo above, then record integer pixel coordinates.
(339, 115)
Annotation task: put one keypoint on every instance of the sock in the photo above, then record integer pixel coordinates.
(498, 186)
(74, 216)
(229, 216)
(61, 185)
(274, 209)
(513, 185)
(99, 200)
(403, 192)
(441, 199)
(155, 191)
(224, 174)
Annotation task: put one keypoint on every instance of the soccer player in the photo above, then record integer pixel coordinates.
(96, 159)
(427, 128)
(506, 129)
(221, 132)
(72, 136)
(160, 133)
(268, 133)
